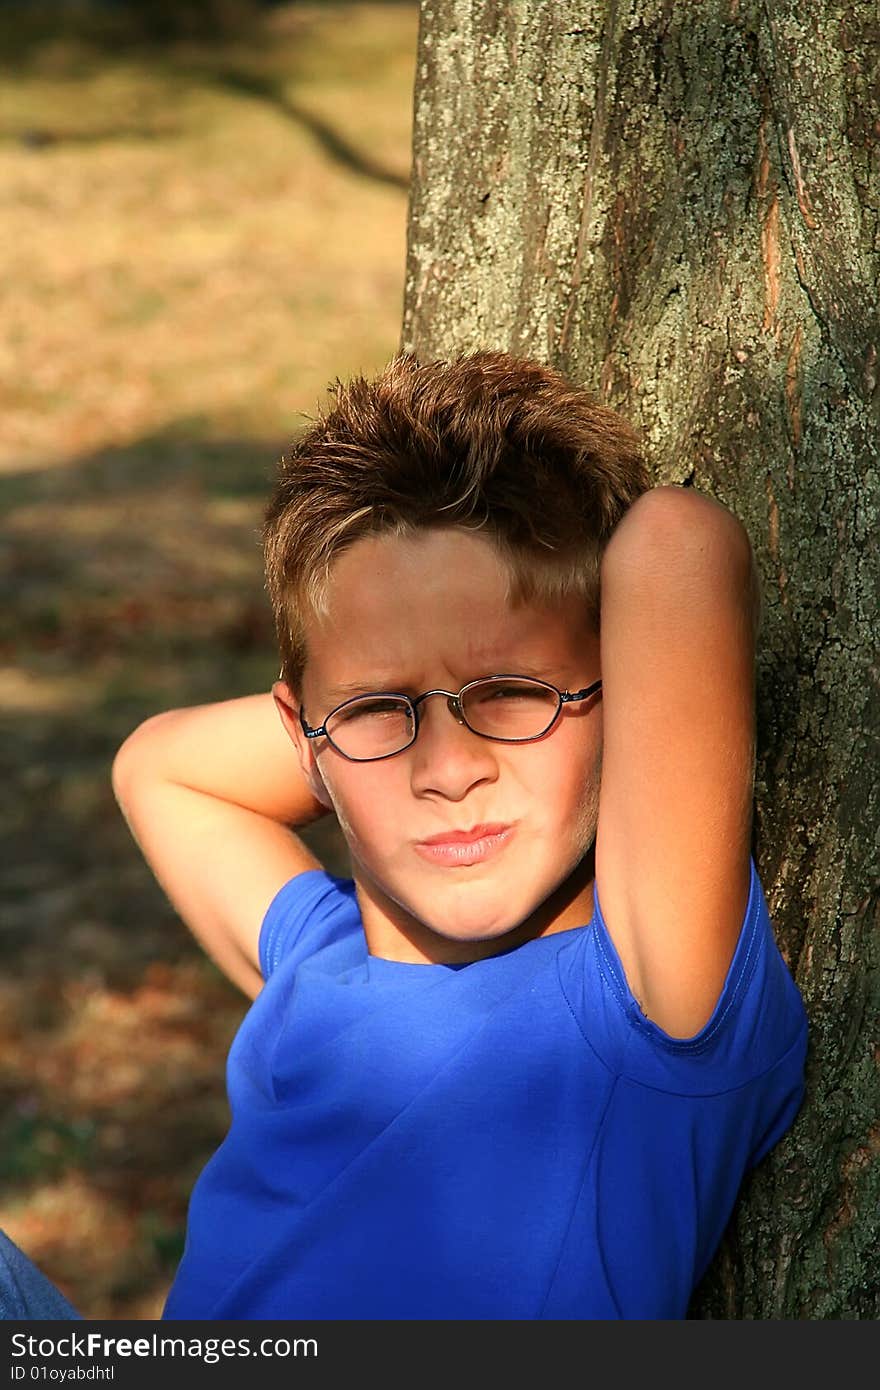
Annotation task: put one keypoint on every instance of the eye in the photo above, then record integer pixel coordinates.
(515, 691)
(372, 709)
(510, 692)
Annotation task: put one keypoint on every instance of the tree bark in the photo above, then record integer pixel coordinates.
(679, 207)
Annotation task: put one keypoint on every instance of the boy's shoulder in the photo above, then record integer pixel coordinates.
(758, 1024)
(311, 910)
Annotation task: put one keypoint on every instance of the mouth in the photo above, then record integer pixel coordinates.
(464, 847)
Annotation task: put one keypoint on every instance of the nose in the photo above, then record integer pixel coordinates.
(448, 757)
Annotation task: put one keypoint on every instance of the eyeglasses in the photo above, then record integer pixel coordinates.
(508, 709)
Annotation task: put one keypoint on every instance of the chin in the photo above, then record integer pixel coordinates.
(476, 931)
(473, 920)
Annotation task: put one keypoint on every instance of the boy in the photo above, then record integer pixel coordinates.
(517, 1066)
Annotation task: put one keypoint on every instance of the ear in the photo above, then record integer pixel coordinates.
(288, 705)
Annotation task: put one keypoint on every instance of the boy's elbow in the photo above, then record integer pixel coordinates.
(133, 756)
(119, 775)
(123, 776)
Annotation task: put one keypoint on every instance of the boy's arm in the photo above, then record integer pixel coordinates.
(209, 794)
(680, 604)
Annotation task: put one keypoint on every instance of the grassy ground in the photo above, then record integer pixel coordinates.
(198, 236)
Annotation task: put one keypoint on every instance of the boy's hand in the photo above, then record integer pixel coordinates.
(209, 794)
(680, 605)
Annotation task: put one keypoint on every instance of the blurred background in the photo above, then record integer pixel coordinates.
(203, 225)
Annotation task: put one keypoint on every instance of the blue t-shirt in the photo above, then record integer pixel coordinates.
(509, 1138)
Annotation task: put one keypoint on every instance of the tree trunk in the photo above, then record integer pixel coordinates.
(679, 206)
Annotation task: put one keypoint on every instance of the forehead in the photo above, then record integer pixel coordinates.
(431, 604)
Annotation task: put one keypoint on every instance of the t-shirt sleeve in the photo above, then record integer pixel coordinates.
(757, 1030)
(310, 911)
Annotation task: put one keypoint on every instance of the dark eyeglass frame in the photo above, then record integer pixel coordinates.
(564, 697)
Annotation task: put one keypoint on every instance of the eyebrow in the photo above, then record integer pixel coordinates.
(340, 692)
(389, 683)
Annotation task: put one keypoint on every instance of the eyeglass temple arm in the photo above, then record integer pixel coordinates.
(568, 697)
(307, 729)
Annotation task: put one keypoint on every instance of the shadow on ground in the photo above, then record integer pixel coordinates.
(234, 49)
(131, 582)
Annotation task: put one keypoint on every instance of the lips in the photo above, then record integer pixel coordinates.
(461, 849)
(466, 837)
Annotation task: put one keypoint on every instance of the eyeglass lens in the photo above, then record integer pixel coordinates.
(377, 726)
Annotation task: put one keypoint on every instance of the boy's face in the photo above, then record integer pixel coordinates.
(426, 612)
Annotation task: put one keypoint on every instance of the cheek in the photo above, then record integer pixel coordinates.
(561, 768)
(368, 803)
(565, 789)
